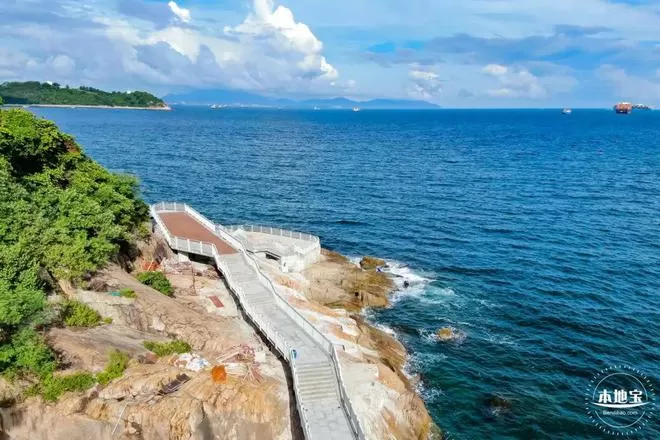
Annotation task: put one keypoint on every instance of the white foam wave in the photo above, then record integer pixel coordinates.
(430, 395)
(402, 272)
(407, 282)
(428, 335)
(501, 339)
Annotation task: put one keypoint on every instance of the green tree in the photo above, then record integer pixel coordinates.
(33, 92)
(61, 216)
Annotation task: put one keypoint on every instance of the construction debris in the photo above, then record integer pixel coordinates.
(173, 385)
(191, 362)
(216, 301)
(237, 353)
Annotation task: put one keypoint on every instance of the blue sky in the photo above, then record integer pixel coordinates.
(465, 53)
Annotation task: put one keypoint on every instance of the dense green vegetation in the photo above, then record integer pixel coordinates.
(33, 92)
(115, 367)
(77, 314)
(157, 281)
(167, 348)
(51, 387)
(62, 216)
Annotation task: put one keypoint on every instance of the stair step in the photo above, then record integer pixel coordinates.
(304, 368)
(316, 375)
(321, 392)
(316, 383)
(317, 396)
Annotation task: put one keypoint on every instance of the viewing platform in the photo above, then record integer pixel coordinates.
(325, 410)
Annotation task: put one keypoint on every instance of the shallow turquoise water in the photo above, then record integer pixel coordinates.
(533, 234)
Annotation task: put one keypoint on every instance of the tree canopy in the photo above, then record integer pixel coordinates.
(33, 92)
(62, 216)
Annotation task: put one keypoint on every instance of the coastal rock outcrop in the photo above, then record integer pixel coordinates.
(336, 282)
(372, 360)
(371, 263)
(158, 397)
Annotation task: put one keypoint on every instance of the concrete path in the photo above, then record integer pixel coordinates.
(315, 380)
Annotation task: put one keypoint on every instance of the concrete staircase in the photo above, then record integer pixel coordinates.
(316, 382)
(317, 387)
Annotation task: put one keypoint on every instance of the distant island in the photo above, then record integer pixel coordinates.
(50, 94)
(239, 98)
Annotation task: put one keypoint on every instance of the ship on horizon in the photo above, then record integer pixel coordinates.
(623, 108)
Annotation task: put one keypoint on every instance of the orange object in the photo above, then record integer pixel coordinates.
(219, 374)
(150, 266)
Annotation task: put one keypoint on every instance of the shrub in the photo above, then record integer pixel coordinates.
(62, 216)
(127, 293)
(27, 352)
(157, 281)
(52, 387)
(115, 367)
(167, 348)
(77, 314)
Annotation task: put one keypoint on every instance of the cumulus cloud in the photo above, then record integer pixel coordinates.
(426, 84)
(181, 13)
(520, 84)
(154, 45)
(512, 82)
(63, 65)
(495, 70)
(628, 86)
(276, 31)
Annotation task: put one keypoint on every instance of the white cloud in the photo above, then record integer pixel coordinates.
(517, 82)
(495, 70)
(425, 84)
(181, 13)
(278, 32)
(268, 51)
(629, 87)
(63, 65)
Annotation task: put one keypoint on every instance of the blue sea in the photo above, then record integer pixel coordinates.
(534, 235)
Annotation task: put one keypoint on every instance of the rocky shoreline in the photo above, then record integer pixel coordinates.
(169, 397)
(332, 295)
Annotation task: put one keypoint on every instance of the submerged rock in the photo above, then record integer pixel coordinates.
(446, 334)
(450, 334)
(497, 405)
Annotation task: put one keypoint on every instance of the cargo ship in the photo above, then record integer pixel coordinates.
(623, 108)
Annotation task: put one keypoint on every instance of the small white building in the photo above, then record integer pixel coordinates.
(295, 251)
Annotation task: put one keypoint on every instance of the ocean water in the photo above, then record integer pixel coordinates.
(535, 235)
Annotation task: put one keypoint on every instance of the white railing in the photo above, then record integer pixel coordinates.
(260, 320)
(275, 231)
(296, 386)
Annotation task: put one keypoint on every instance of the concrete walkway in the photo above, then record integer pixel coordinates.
(315, 379)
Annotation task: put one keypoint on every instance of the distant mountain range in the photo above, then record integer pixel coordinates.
(246, 99)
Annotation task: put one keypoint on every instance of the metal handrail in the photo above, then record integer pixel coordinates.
(329, 347)
(275, 231)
